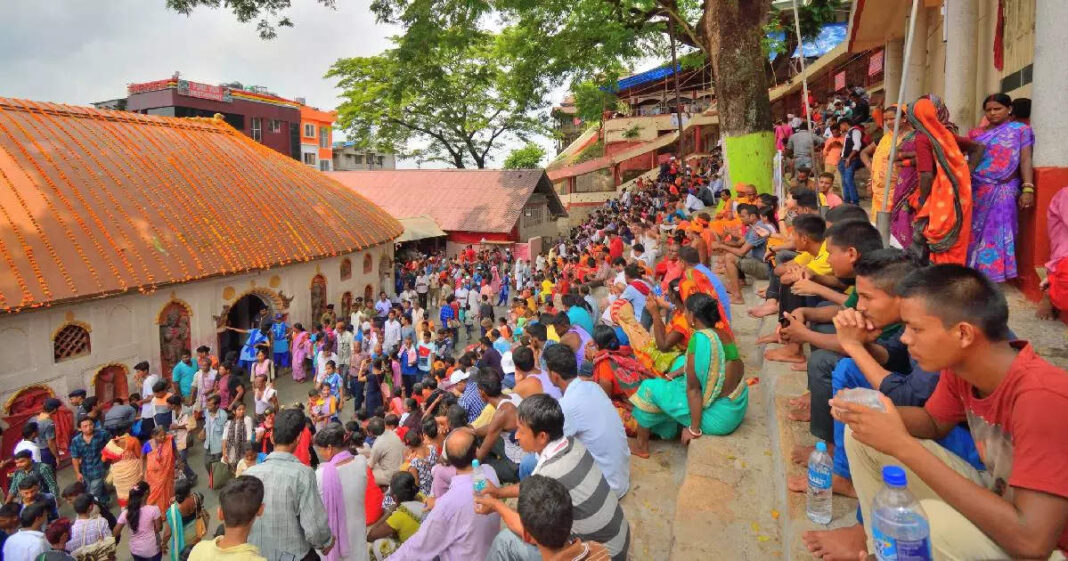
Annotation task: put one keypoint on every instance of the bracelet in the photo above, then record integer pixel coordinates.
(694, 434)
(1029, 189)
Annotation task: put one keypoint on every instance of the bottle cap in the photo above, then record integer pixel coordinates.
(474, 463)
(821, 446)
(894, 476)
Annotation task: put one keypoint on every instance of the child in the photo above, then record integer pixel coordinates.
(87, 529)
(321, 407)
(248, 461)
(240, 503)
(334, 381)
(393, 530)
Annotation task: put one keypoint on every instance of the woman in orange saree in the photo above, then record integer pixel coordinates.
(160, 457)
(617, 371)
(124, 453)
(943, 202)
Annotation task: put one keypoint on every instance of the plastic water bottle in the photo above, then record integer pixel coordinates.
(819, 485)
(899, 525)
(478, 479)
(863, 396)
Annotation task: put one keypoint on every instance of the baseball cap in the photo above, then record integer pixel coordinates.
(458, 376)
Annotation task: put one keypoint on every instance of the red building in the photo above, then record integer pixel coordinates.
(266, 118)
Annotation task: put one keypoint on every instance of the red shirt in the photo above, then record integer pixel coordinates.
(615, 247)
(1020, 429)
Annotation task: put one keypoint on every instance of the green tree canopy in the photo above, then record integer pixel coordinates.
(525, 157)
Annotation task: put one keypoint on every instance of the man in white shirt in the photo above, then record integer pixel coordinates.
(345, 340)
(147, 380)
(29, 542)
(29, 433)
(391, 332)
(693, 204)
(422, 287)
(418, 315)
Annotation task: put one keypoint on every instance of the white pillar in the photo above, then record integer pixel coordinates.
(914, 85)
(893, 64)
(962, 25)
(1050, 82)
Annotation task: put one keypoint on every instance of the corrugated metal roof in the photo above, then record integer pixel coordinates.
(646, 77)
(96, 203)
(459, 200)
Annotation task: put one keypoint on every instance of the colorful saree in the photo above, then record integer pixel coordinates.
(661, 405)
(643, 343)
(126, 469)
(159, 472)
(996, 181)
(620, 374)
(907, 181)
(946, 215)
(880, 163)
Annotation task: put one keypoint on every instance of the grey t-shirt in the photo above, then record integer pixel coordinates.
(118, 416)
(802, 143)
(46, 430)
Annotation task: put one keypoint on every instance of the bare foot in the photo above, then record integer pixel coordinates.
(1045, 308)
(638, 450)
(799, 367)
(772, 337)
(799, 455)
(800, 415)
(739, 299)
(788, 353)
(804, 400)
(841, 544)
(768, 308)
(839, 485)
(762, 292)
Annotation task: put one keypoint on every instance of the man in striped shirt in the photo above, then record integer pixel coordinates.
(597, 516)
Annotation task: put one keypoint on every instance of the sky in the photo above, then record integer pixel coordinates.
(82, 51)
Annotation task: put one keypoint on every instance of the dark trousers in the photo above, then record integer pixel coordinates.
(356, 390)
(422, 299)
(409, 381)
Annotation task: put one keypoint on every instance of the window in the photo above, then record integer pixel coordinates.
(368, 264)
(359, 159)
(346, 269)
(70, 342)
(324, 137)
(324, 165)
(309, 130)
(275, 125)
(532, 216)
(257, 129)
(380, 160)
(309, 158)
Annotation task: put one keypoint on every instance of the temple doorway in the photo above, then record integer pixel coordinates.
(245, 314)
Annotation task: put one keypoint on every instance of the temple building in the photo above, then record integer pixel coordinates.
(129, 237)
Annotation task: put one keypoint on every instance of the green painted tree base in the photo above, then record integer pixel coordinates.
(750, 158)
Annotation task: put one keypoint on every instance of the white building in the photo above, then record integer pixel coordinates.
(128, 237)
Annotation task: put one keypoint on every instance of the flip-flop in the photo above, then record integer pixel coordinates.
(642, 455)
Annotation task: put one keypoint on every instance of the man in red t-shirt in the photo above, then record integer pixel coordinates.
(1016, 407)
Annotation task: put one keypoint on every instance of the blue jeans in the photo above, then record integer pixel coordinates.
(527, 465)
(849, 187)
(848, 375)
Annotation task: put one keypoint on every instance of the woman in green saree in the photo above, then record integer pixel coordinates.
(709, 396)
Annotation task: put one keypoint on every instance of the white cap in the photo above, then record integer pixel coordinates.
(457, 377)
(507, 364)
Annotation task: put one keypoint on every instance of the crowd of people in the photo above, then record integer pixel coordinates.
(497, 402)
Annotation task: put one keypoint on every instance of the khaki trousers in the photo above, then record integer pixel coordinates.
(953, 537)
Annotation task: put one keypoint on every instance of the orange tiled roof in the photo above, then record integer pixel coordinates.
(96, 203)
(459, 200)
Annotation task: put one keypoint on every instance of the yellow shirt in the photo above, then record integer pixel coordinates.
(485, 417)
(550, 334)
(818, 264)
(209, 550)
(546, 290)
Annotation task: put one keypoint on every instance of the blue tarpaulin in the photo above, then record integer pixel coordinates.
(831, 35)
(645, 77)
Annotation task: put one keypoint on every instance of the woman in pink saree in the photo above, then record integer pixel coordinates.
(301, 350)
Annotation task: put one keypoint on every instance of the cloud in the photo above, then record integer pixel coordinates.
(78, 52)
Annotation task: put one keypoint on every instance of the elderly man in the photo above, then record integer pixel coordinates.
(453, 531)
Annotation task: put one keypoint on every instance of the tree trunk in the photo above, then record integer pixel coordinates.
(734, 29)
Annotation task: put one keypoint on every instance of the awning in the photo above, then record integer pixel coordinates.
(419, 228)
(873, 23)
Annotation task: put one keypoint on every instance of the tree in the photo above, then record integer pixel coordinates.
(269, 12)
(454, 100)
(526, 157)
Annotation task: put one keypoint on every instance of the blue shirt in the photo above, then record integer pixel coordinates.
(590, 417)
(472, 402)
(182, 374)
(278, 333)
(92, 465)
(445, 315)
(721, 290)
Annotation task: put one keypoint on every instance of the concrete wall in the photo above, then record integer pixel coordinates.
(125, 330)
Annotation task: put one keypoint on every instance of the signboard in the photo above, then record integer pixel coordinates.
(202, 91)
(875, 63)
(839, 81)
(148, 87)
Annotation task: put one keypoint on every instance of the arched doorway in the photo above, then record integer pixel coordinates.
(369, 294)
(25, 405)
(175, 335)
(245, 314)
(110, 382)
(318, 298)
(346, 305)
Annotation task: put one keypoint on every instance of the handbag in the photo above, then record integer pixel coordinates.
(202, 517)
(103, 550)
(219, 475)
